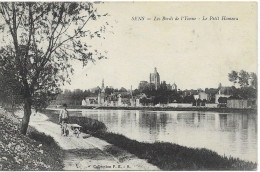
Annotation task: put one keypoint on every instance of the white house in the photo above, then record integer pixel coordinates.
(201, 96)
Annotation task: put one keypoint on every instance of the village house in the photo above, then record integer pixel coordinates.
(223, 92)
(201, 96)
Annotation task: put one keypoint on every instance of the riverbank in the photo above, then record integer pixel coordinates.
(202, 109)
(169, 156)
(166, 156)
(87, 152)
(34, 151)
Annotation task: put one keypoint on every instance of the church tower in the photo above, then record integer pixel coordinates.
(101, 95)
(103, 86)
(155, 79)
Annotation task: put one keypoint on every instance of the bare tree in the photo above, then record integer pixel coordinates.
(42, 38)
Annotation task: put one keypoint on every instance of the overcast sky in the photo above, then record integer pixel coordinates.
(193, 54)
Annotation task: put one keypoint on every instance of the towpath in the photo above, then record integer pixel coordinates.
(87, 152)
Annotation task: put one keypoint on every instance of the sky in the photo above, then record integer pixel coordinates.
(192, 54)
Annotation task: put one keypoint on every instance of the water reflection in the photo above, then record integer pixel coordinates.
(223, 122)
(229, 134)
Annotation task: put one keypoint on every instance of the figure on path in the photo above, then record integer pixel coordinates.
(64, 119)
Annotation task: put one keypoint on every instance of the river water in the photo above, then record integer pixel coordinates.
(230, 134)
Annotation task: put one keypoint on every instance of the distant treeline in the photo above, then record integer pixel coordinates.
(245, 87)
(75, 97)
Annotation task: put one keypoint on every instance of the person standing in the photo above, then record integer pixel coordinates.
(64, 119)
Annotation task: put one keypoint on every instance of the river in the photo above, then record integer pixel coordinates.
(230, 134)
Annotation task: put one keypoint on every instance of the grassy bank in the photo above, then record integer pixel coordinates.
(202, 109)
(34, 151)
(169, 156)
(55, 154)
(166, 156)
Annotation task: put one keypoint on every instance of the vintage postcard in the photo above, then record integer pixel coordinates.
(128, 86)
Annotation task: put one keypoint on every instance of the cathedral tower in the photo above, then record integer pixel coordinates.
(155, 79)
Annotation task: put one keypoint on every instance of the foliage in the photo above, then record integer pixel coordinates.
(10, 88)
(45, 36)
(162, 95)
(243, 78)
(233, 76)
(89, 125)
(136, 92)
(247, 92)
(75, 97)
(188, 99)
(248, 84)
(122, 89)
(51, 148)
(222, 100)
(109, 90)
(41, 40)
(34, 151)
(143, 85)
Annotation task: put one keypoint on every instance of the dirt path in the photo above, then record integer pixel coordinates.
(87, 152)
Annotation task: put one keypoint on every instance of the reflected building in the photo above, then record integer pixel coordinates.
(101, 94)
(119, 125)
(137, 116)
(163, 121)
(149, 124)
(223, 121)
(196, 119)
(217, 121)
(245, 121)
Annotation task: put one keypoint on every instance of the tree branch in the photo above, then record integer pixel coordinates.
(74, 34)
(49, 49)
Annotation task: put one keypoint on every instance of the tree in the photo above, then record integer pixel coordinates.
(40, 40)
(203, 103)
(122, 89)
(9, 87)
(136, 92)
(188, 99)
(163, 86)
(233, 77)
(198, 102)
(247, 92)
(243, 78)
(247, 82)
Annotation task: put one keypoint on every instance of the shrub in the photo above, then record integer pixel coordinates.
(89, 125)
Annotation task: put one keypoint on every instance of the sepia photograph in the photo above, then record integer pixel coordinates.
(128, 86)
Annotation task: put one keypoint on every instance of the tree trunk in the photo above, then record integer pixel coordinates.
(26, 117)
